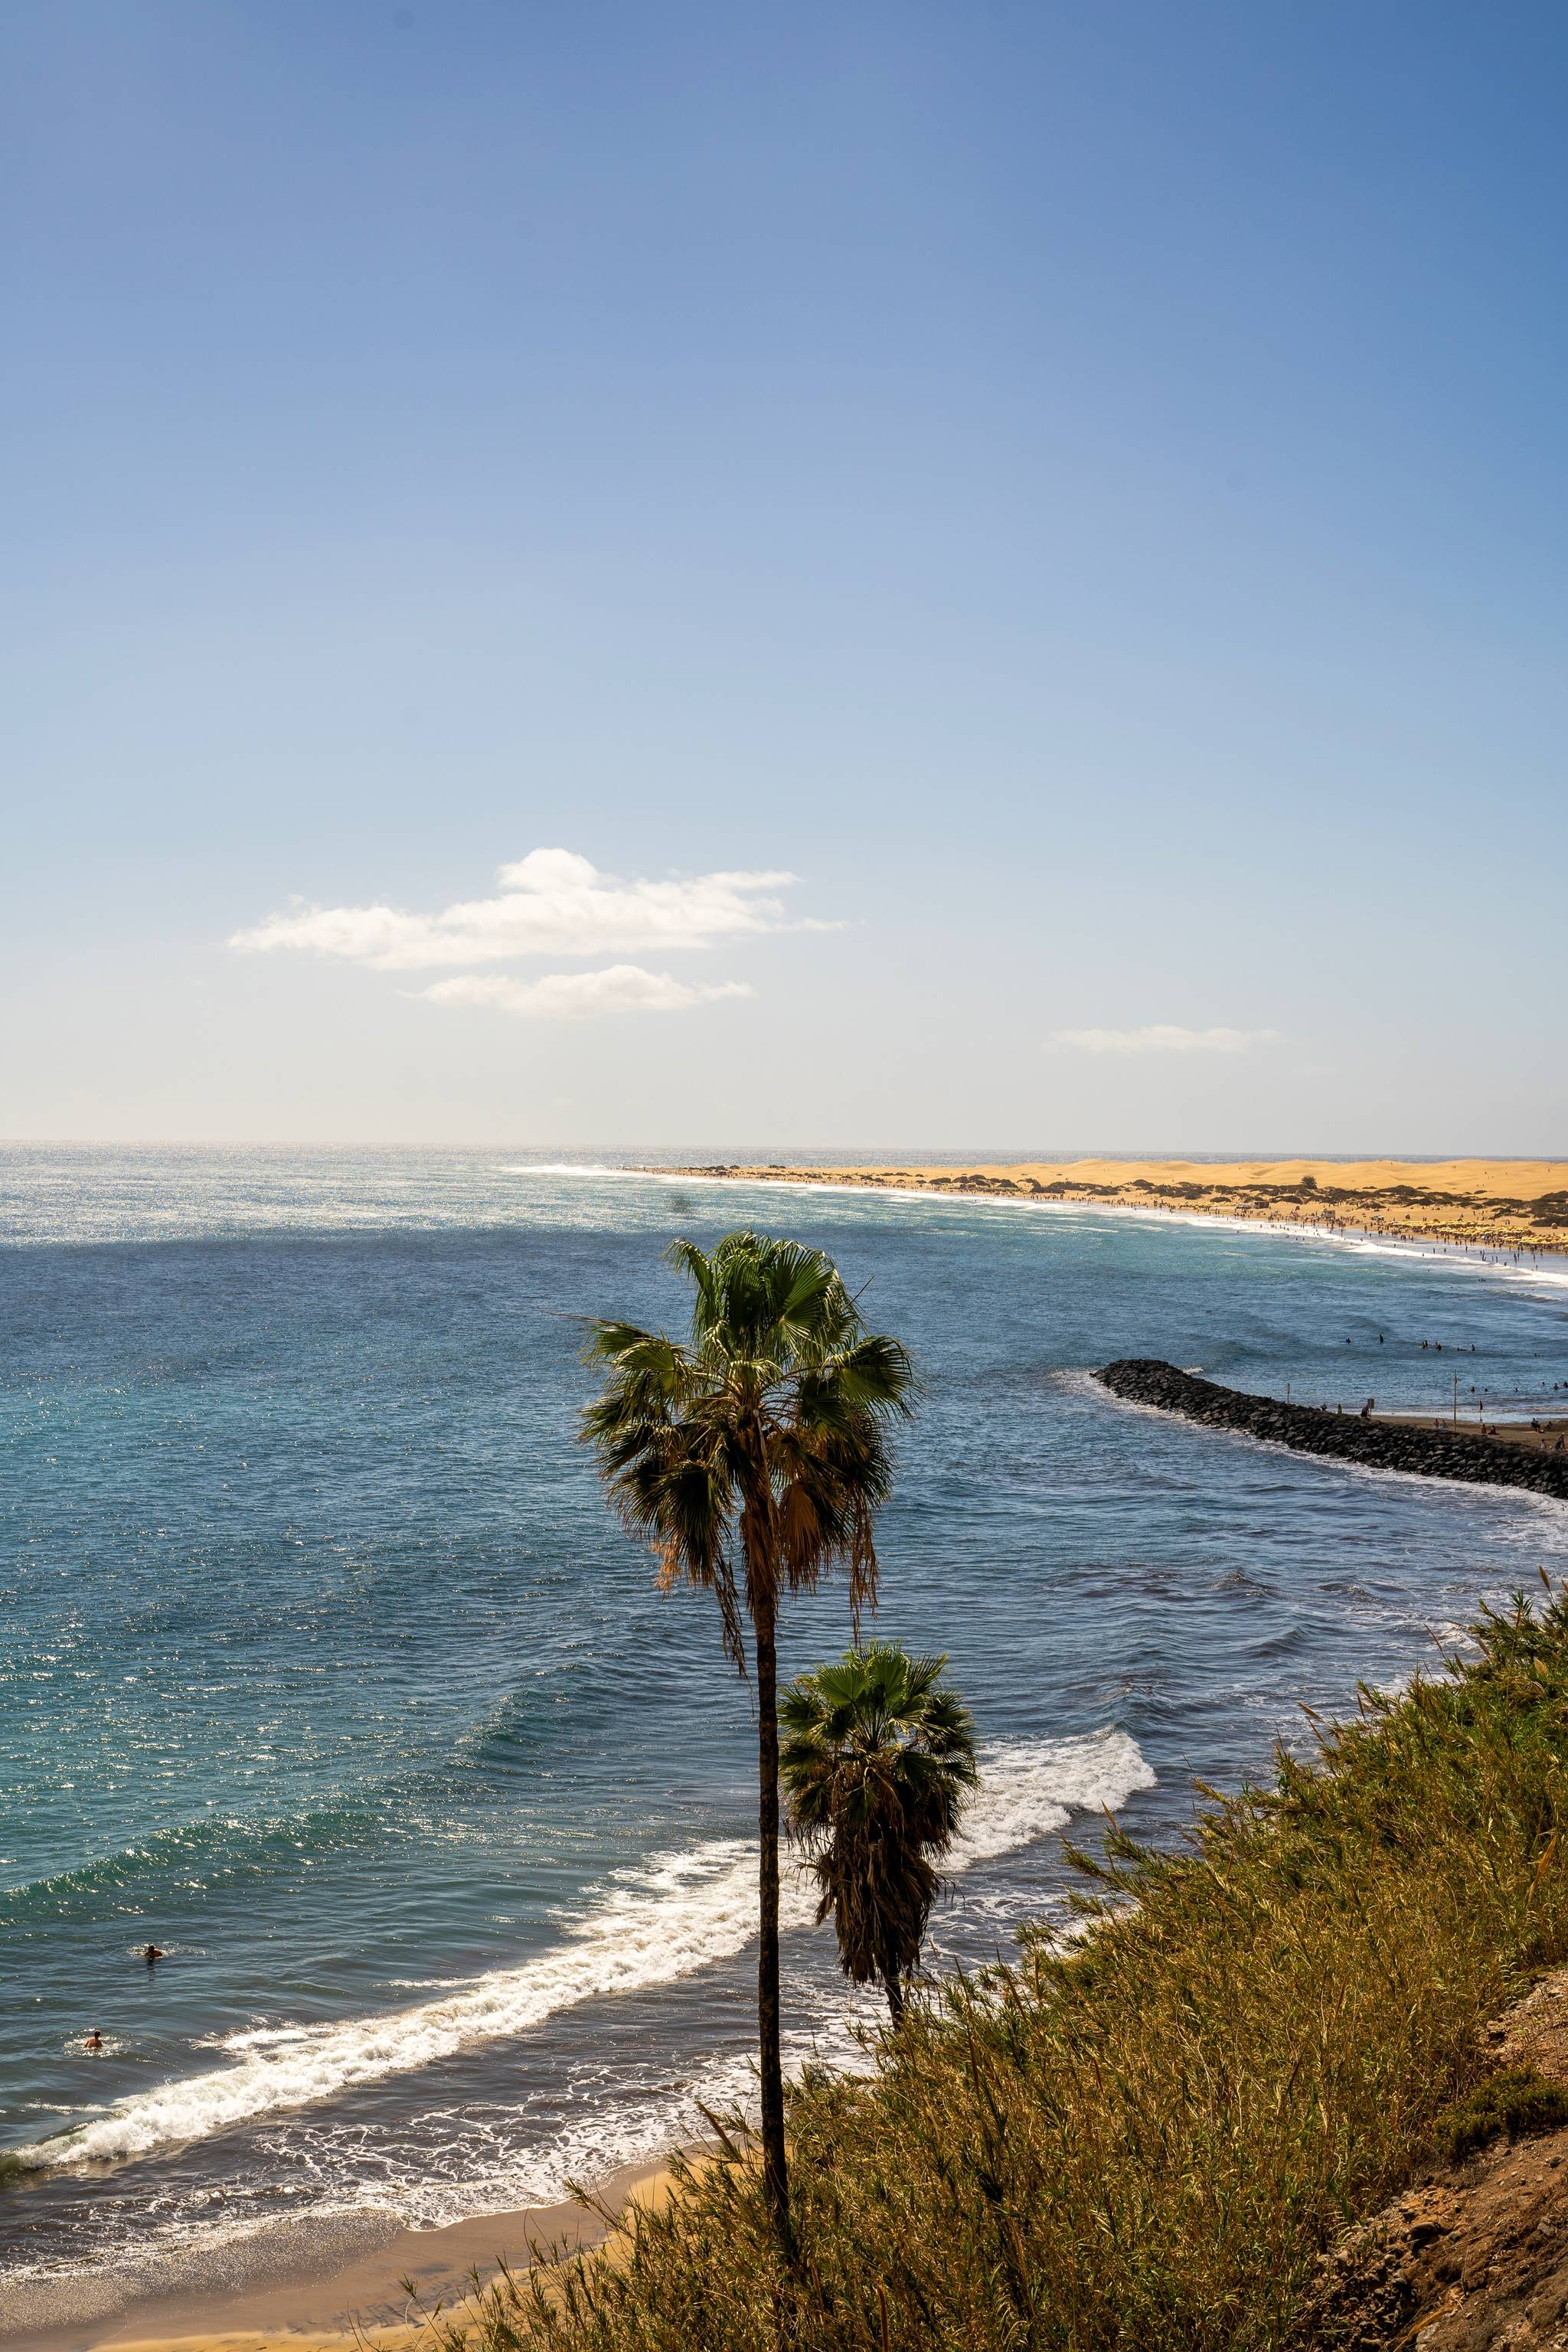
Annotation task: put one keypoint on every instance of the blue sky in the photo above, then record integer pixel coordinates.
(1081, 489)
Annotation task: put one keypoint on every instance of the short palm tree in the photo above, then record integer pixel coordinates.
(878, 1764)
(765, 1435)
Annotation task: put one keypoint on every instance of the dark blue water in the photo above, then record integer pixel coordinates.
(324, 1666)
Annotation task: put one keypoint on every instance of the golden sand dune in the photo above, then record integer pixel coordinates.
(1502, 1204)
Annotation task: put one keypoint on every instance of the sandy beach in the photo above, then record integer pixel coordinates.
(1533, 1437)
(361, 2299)
(1483, 1204)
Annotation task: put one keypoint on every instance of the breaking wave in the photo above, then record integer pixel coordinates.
(674, 1915)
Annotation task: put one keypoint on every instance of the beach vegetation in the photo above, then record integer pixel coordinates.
(877, 1763)
(1513, 2104)
(1143, 2139)
(759, 1444)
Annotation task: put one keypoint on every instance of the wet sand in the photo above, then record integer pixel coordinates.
(341, 2303)
(275, 2298)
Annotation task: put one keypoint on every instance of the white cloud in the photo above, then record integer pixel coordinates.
(550, 902)
(571, 995)
(1161, 1037)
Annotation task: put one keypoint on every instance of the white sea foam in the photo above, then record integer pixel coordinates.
(675, 1916)
(1029, 1788)
(1464, 1257)
(1458, 1494)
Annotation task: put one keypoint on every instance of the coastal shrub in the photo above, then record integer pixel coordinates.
(1142, 2143)
(1512, 2105)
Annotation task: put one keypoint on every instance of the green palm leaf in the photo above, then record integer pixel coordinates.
(752, 1458)
(878, 1762)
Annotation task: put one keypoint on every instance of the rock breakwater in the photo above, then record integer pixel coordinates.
(1307, 1429)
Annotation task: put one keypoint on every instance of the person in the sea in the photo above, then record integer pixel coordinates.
(151, 1952)
(94, 2039)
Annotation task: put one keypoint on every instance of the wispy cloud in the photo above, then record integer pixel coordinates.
(1162, 1038)
(550, 902)
(573, 995)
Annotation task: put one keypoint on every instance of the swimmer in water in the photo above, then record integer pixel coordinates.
(94, 2039)
(151, 1952)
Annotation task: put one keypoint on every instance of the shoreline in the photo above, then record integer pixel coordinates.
(357, 2301)
(326, 2292)
(1497, 1212)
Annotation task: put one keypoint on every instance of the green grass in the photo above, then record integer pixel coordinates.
(1145, 2142)
(1512, 2106)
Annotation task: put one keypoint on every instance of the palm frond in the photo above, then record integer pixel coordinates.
(876, 1762)
(763, 1435)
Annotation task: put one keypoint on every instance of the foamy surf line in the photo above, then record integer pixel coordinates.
(675, 1916)
(1427, 1250)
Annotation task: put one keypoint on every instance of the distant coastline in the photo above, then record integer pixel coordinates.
(1507, 1206)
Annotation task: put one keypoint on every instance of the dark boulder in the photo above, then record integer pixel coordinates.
(1309, 1429)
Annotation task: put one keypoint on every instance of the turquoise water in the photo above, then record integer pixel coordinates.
(324, 1667)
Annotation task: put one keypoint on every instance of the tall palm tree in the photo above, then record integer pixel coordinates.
(765, 1435)
(878, 1764)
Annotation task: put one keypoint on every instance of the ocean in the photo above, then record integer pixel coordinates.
(323, 1666)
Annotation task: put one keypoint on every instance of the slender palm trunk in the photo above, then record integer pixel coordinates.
(894, 1989)
(775, 2173)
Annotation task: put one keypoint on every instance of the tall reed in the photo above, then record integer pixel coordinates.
(1145, 2140)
